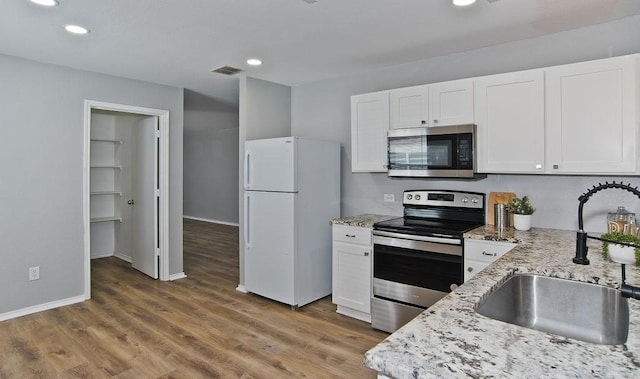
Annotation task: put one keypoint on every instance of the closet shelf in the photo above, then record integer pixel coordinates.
(118, 142)
(106, 193)
(104, 219)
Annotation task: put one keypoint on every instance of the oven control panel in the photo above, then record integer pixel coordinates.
(444, 198)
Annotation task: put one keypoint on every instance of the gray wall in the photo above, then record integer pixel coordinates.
(210, 159)
(322, 110)
(41, 151)
(265, 112)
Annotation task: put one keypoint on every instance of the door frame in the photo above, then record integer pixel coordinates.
(163, 170)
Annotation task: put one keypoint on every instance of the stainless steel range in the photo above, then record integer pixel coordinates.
(418, 258)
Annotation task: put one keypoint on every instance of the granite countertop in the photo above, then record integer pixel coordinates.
(364, 220)
(490, 233)
(450, 340)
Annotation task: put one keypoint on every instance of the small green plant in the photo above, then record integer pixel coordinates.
(520, 206)
(620, 237)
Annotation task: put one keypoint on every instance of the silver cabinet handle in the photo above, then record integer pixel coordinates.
(350, 235)
(366, 253)
(130, 202)
(489, 254)
(470, 269)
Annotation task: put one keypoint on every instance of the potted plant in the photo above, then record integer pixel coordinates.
(621, 253)
(522, 210)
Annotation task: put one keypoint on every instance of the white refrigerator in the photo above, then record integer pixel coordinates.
(292, 190)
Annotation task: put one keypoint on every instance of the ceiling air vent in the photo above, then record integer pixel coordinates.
(226, 70)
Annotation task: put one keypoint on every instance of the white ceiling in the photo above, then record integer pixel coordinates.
(178, 42)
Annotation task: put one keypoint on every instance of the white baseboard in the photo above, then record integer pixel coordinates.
(103, 255)
(125, 258)
(211, 221)
(41, 307)
(241, 288)
(366, 317)
(180, 275)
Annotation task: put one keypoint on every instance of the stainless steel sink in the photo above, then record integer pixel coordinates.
(583, 311)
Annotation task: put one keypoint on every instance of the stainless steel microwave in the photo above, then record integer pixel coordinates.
(441, 151)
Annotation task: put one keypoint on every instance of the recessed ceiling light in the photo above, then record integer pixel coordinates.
(254, 62)
(76, 29)
(463, 3)
(46, 3)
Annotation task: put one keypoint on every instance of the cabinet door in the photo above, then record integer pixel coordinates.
(592, 116)
(409, 107)
(509, 110)
(451, 103)
(352, 276)
(369, 126)
(471, 268)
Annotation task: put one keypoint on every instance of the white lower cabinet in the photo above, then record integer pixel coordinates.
(352, 252)
(479, 254)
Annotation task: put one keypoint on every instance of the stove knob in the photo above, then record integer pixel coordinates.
(417, 197)
(474, 200)
(465, 199)
(409, 197)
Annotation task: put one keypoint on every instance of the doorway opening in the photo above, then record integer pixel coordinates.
(126, 191)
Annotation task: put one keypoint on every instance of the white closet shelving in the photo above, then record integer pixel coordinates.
(105, 185)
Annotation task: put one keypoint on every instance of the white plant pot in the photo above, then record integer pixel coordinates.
(522, 222)
(622, 254)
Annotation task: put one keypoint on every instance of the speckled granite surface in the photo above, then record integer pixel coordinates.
(490, 233)
(363, 220)
(450, 340)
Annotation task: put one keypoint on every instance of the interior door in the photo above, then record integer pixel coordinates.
(145, 207)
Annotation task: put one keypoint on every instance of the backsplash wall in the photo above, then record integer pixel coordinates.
(322, 110)
(554, 197)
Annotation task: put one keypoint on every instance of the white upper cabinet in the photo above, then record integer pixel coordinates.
(509, 113)
(440, 104)
(592, 117)
(577, 118)
(409, 107)
(451, 103)
(369, 126)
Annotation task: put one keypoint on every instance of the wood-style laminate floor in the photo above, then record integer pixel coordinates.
(198, 327)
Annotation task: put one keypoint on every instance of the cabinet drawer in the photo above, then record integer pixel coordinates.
(352, 234)
(485, 251)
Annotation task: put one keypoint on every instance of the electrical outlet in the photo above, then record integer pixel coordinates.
(34, 273)
(389, 197)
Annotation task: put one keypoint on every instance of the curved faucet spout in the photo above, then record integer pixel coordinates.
(581, 237)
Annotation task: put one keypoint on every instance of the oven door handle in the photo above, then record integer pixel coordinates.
(448, 241)
(426, 246)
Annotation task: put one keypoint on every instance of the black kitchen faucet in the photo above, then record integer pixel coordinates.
(581, 237)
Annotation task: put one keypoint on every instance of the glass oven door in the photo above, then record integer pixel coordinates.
(434, 266)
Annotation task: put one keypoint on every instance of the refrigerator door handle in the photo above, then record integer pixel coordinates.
(247, 235)
(247, 157)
